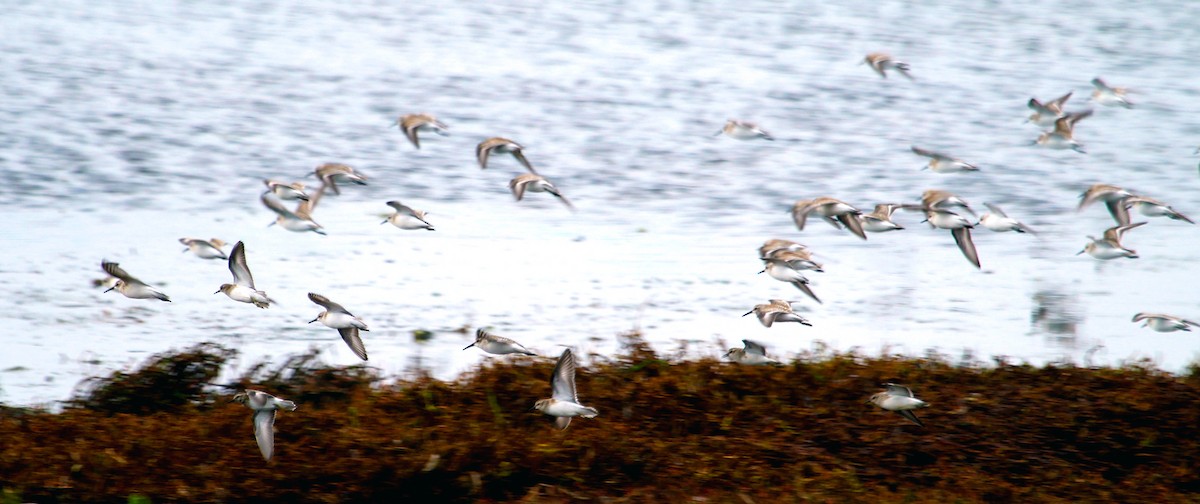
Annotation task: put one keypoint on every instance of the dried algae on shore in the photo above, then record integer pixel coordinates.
(670, 431)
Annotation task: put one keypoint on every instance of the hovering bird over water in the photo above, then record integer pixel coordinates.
(959, 226)
(1164, 323)
(882, 62)
(331, 173)
(999, 222)
(205, 249)
(776, 310)
(564, 402)
(941, 163)
(1109, 246)
(880, 220)
(497, 145)
(743, 130)
(242, 289)
(1045, 114)
(411, 124)
(1063, 135)
(753, 354)
(832, 210)
(498, 345)
(899, 399)
(535, 183)
(264, 406)
(346, 323)
(1113, 198)
(129, 286)
(783, 271)
(293, 191)
(299, 221)
(1110, 96)
(406, 217)
(1151, 207)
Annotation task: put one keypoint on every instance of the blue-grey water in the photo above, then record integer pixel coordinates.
(127, 125)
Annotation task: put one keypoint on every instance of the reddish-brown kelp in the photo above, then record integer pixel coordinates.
(668, 430)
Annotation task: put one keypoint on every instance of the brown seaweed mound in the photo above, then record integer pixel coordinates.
(668, 431)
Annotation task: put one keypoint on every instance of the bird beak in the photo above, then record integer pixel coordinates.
(1081, 251)
(747, 313)
(468, 346)
(218, 291)
(314, 320)
(111, 288)
(761, 272)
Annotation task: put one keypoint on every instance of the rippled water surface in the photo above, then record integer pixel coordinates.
(127, 125)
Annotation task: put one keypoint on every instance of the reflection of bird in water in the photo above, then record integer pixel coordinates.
(1053, 313)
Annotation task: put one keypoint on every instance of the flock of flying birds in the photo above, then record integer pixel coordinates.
(784, 260)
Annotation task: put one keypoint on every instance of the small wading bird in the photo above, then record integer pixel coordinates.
(563, 403)
(411, 124)
(941, 163)
(242, 289)
(770, 247)
(1151, 207)
(1109, 246)
(880, 220)
(346, 323)
(783, 271)
(999, 222)
(498, 345)
(331, 173)
(882, 62)
(743, 130)
(535, 183)
(832, 210)
(1110, 96)
(1113, 198)
(1044, 114)
(497, 145)
(753, 354)
(293, 191)
(1164, 323)
(1063, 135)
(205, 249)
(406, 217)
(899, 399)
(959, 227)
(264, 406)
(299, 221)
(776, 310)
(129, 286)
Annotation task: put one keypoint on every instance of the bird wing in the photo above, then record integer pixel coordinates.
(962, 236)
(272, 202)
(402, 208)
(912, 417)
(305, 209)
(1056, 105)
(562, 382)
(898, 390)
(753, 347)
(264, 431)
(995, 210)
(351, 337)
(325, 302)
(850, 220)
(562, 422)
(517, 186)
(114, 269)
(237, 266)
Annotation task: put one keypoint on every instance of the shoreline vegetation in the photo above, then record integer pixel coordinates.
(668, 431)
